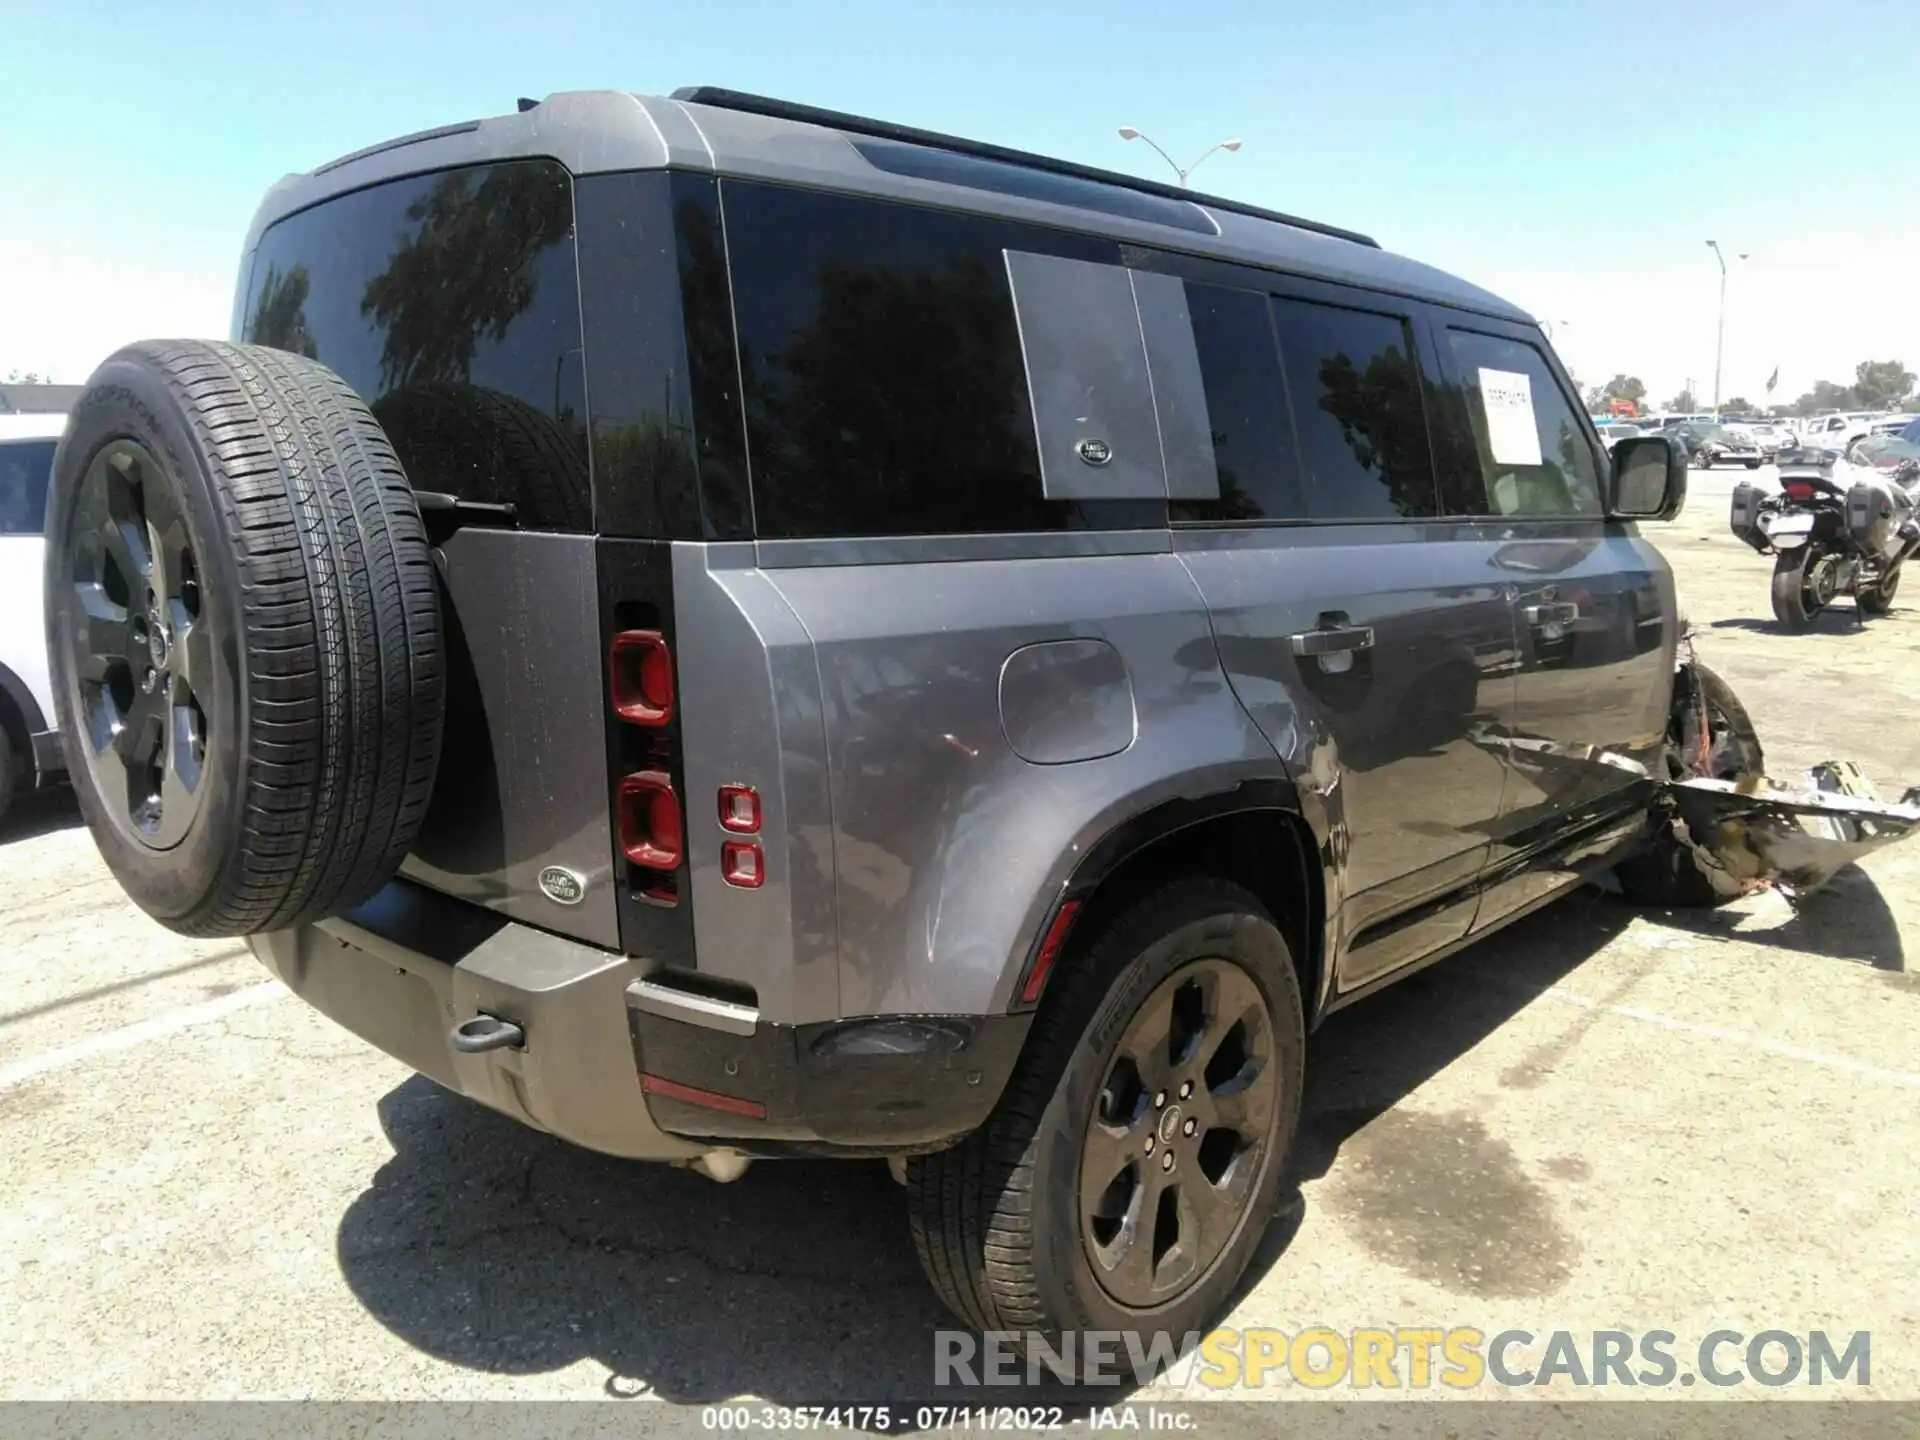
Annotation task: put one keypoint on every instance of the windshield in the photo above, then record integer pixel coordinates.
(1885, 450)
(24, 467)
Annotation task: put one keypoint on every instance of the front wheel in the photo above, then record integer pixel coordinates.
(1710, 735)
(1796, 592)
(1753, 464)
(1877, 599)
(1128, 1172)
(1702, 460)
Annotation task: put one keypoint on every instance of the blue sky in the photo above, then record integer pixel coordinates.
(1574, 157)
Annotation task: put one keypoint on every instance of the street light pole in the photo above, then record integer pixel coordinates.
(1720, 334)
(1127, 132)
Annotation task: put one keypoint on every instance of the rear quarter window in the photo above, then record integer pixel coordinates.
(450, 302)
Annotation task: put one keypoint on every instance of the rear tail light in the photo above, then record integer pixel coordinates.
(651, 830)
(1798, 490)
(743, 864)
(740, 809)
(641, 670)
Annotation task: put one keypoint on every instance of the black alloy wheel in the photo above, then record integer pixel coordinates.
(140, 653)
(1175, 1144)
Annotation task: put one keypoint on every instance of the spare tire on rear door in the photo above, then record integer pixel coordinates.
(244, 628)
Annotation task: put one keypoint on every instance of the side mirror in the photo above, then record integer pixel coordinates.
(1648, 479)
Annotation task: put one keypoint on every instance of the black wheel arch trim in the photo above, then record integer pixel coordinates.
(1148, 827)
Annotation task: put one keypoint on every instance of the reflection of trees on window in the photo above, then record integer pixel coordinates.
(468, 270)
(901, 407)
(1380, 417)
(279, 316)
(707, 307)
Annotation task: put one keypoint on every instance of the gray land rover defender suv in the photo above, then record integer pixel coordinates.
(727, 630)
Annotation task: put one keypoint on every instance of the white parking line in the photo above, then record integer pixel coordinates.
(1711, 1032)
(128, 1036)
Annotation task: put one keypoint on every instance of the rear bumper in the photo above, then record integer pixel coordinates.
(650, 1069)
(406, 968)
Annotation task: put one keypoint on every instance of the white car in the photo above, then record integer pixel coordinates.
(1837, 432)
(29, 752)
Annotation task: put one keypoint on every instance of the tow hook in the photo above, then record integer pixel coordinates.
(487, 1032)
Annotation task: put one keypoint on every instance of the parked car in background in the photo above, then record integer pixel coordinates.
(1910, 432)
(1834, 432)
(29, 744)
(1709, 445)
(1891, 424)
(1612, 432)
(1771, 438)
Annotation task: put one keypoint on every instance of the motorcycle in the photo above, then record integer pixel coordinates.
(1838, 526)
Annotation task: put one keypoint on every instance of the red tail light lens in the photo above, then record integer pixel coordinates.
(740, 809)
(1049, 952)
(641, 668)
(742, 864)
(1798, 490)
(651, 831)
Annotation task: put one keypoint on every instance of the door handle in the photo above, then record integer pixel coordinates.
(1564, 612)
(1333, 640)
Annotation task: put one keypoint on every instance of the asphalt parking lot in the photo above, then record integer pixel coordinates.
(1604, 1118)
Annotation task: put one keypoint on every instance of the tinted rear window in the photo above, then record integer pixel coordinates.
(450, 302)
(24, 467)
(1356, 389)
(885, 388)
(1253, 449)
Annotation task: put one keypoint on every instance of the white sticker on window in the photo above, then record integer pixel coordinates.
(1511, 431)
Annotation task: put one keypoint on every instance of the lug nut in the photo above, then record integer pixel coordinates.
(1186, 1088)
(1149, 1144)
(1191, 1126)
(1159, 1099)
(1166, 1161)
(148, 681)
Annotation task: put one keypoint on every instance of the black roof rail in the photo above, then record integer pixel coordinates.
(724, 99)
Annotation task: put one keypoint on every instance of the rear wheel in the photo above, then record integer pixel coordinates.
(1125, 1178)
(245, 635)
(1702, 460)
(1802, 587)
(1753, 464)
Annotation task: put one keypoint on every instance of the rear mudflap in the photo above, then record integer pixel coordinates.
(1752, 835)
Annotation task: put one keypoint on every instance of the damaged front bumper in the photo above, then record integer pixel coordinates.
(1748, 835)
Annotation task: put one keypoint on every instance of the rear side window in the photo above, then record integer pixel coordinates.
(1253, 449)
(1354, 380)
(1534, 456)
(450, 302)
(885, 388)
(24, 467)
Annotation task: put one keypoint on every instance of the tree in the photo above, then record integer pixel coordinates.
(279, 316)
(469, 268)
(1825, 395)
(1740, 405)
(1881, 384)
(27, 377)
(1682, 403)
(1620, 387)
